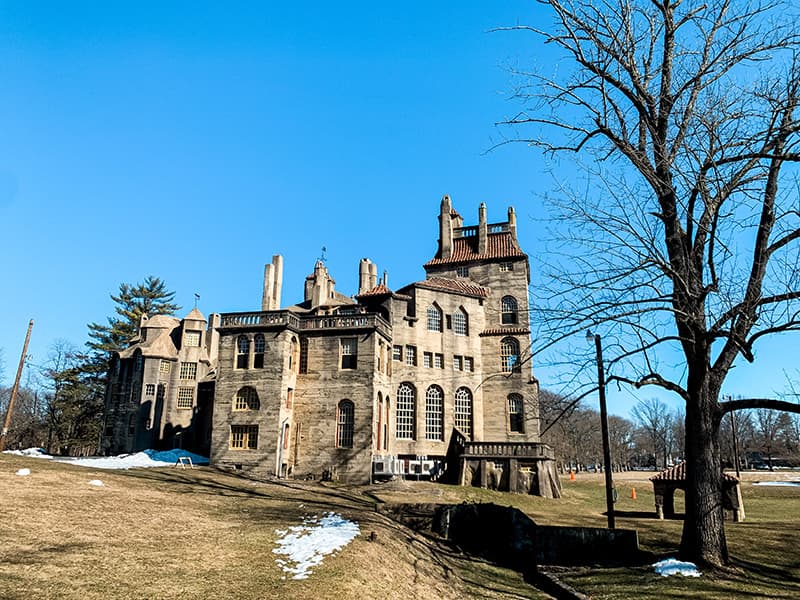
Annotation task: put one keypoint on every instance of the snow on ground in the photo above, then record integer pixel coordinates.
(147, 458)
(97, 483)
(672, 566)
(23, 472)
(777, 483)
(304, 546)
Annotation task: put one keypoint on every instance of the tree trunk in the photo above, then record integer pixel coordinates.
(703, 540)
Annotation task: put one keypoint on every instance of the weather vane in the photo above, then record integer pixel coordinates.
(323, 258)
(196, 298)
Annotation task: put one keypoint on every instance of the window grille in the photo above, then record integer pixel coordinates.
(244, 437)
(434, 413)
(434, 319)
(463, 411)
(460, 323)
(246, 399)
(259, 346)
(508, 309)
(509, 355)
(405, 412)
(188, 370)
(349, 352)
(516, 419)
(185, 397)
(411, 355)
(346, 423)
(242, 352)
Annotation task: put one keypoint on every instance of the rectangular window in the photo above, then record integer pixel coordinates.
(469, 364)
(458, 363)
(191, 338)
(149, 389)
(427, 360)
(188, 370)
(185, 397)
(165, 367)
(438, 361)
(349, 347)
(303, 356)
(506, 266)
(244, 437)
(462, 271)
(289, 397)
(397, 353)
(411, 356)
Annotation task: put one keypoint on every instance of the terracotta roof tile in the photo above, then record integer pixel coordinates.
(378, 290)
(458, 286)
(498, 245)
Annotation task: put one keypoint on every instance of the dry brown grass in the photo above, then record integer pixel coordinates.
(171, 533)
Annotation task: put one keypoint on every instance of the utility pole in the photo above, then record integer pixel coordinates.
(601, 383)
(15, 389)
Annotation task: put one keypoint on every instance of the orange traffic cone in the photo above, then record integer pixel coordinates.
(633, 493)
(571, 475)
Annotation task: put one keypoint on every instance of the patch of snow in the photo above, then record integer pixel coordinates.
(304, 546)
(30, 452)
(147, 458)
(23, 472)
(778, 483)
(97, 482)
(672, 566)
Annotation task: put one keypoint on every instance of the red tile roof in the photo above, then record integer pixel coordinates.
(678, 473)
(498, 245)
(458, 286)
(378, 290)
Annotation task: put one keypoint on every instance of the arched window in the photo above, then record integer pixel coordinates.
(345, 419)
(463, 411)
(516, 415)
(294, 356)
(242, 352)
(460, 322)
(508, 309)
(434, 413)
(509, 355)
(246, 399)
(434, 318)
(406, 401)
(259, 345)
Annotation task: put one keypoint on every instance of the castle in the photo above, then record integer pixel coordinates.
(431, 379)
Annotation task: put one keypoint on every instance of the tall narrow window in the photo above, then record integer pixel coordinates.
(508, 309)
(246, 399)
(294, 355)
(242, 352)
(411, 356)
(509, 355)
(406, 399)
(380, 421)
(463, 411)
(434, 413)
(259, 346)
(434, 318)
(188, 370)
(303, 355)
(516, 419)
(345, 424)
(460, 323)
(349, 352)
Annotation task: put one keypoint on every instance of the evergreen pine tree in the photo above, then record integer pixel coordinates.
(150, 297)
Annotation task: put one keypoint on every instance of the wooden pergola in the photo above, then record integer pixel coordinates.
(674, 478)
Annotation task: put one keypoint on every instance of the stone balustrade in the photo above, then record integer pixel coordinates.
(507, 449)
(300, 322)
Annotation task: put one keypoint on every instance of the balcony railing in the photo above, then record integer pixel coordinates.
(507, 449)
(472, 230)
(300, 322)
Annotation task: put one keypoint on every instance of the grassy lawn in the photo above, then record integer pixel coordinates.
(172, 533)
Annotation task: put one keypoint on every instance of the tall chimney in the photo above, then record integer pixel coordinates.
(373, 275)
(512, 223)
(269, 287)
(363, 275)
(483, 229)
(277, 261)
(445, 228)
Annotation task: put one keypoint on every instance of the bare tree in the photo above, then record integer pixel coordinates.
(684, 240)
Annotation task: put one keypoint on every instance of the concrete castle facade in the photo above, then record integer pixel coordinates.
(431, 378)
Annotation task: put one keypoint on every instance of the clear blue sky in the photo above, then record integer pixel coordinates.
(192, 141)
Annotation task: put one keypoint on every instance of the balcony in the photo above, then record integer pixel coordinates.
(284, 318)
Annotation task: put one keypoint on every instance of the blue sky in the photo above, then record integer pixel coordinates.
(192, 141)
